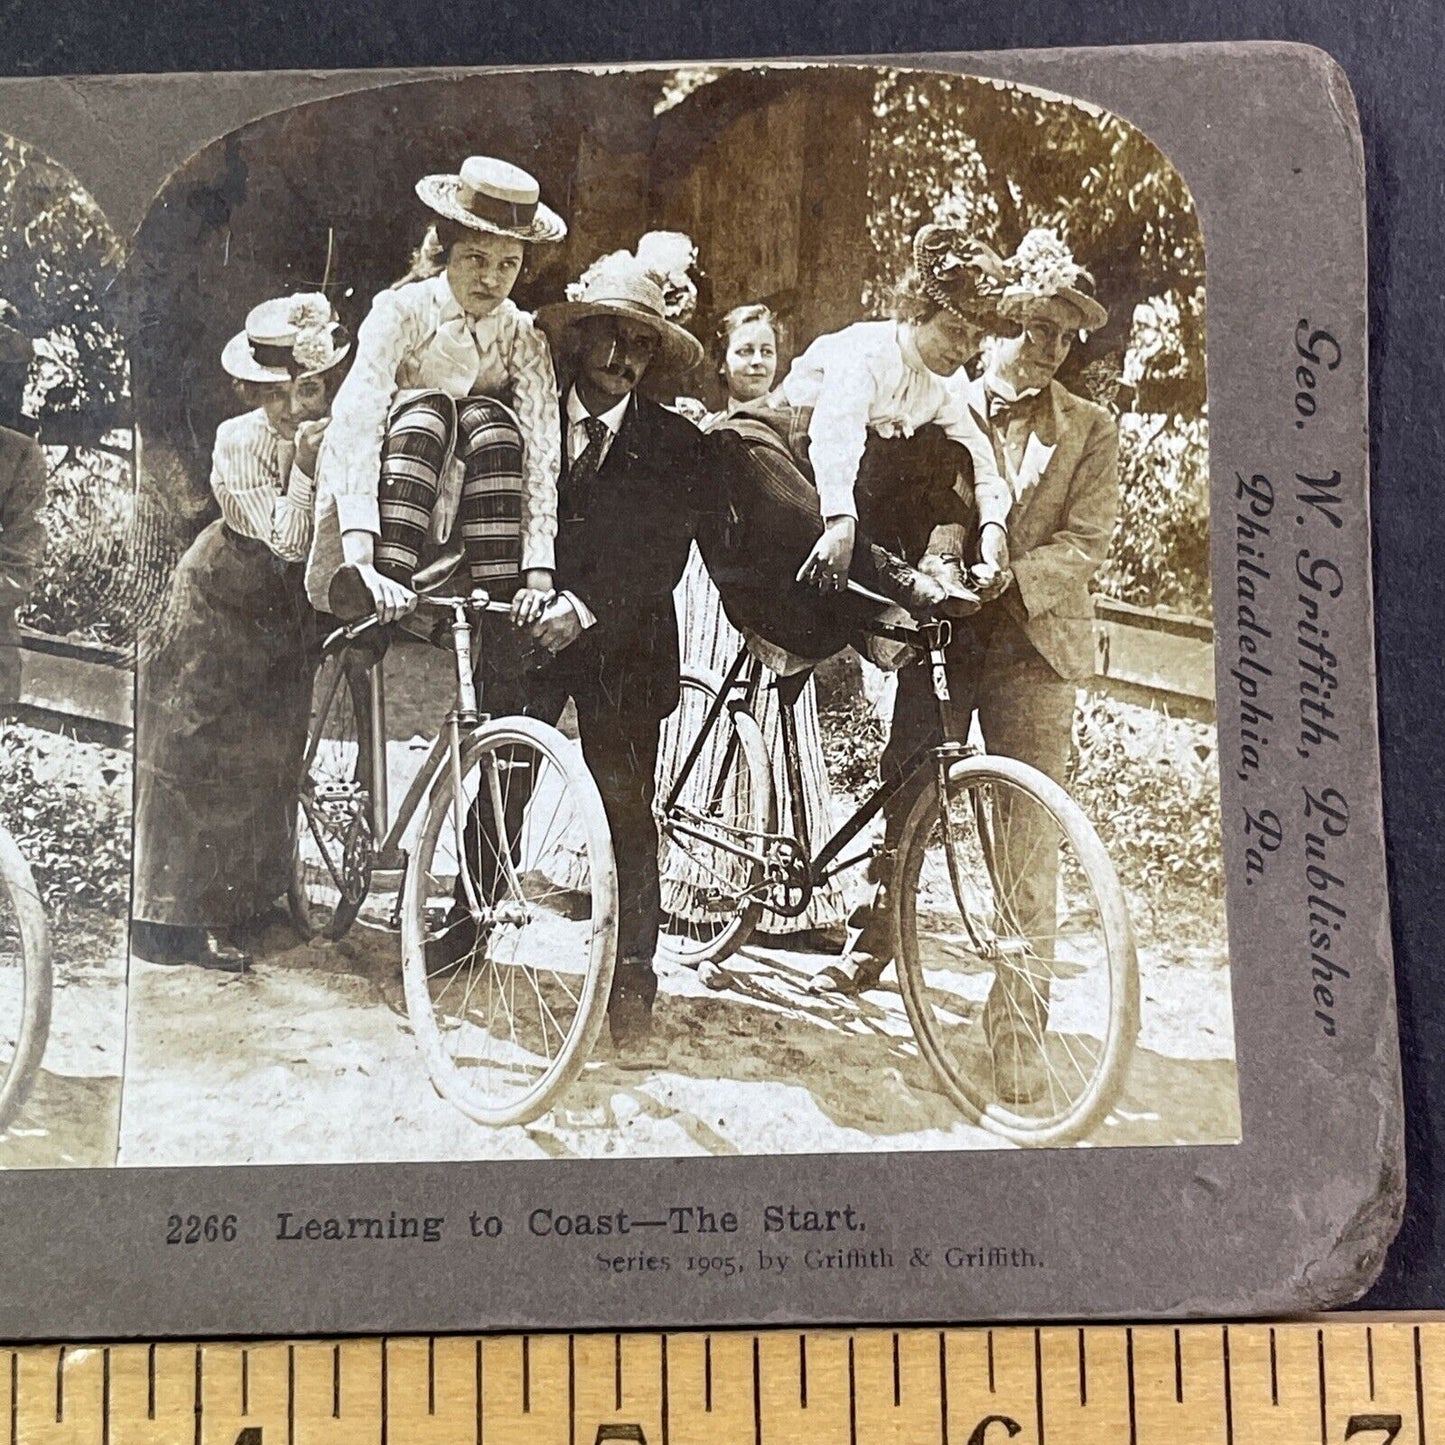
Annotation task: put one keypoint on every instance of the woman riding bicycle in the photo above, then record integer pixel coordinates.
(868, 465)
(449, 415)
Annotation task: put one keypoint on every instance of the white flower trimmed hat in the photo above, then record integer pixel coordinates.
(496, 196)
(1043, 269)
(285, 339)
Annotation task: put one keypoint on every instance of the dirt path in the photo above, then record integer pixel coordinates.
(310, 1058)
(72, 1116)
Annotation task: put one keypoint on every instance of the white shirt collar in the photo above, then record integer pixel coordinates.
(611, 419)
(1003, 390)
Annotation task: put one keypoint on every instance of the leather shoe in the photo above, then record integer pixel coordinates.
(178, 945)
(461, 940)
(903, 584)
(629, 1009)
(959, 600)
(1020, 1070)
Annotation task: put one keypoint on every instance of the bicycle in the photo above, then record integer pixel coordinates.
(26, 980)
(505, 1028)
(1006, 912)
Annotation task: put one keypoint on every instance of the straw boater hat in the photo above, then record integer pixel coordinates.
(491, 195)
(285, 339)
(1043, 270)
(621, 285)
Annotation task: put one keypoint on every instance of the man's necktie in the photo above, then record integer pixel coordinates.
(583, 472)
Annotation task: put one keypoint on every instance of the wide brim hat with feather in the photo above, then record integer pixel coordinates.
(1043, 272)
(495, 196)
(958, 274)
(623, 286)
(286, 339)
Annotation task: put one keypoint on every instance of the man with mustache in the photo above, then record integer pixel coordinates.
(637, 481)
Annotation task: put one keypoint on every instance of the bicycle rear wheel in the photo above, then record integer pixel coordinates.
(723, 810)
(507, 1021)
(1016, 956)
(334, 838)
(25, 979)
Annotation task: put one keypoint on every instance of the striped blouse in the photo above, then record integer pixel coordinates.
(263, 495)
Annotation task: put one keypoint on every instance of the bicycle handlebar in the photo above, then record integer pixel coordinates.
(478, 601)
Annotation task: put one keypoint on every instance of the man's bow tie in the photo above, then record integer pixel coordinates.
(1002, 409)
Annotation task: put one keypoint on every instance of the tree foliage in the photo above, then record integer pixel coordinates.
(1004, 159)
(59, 260)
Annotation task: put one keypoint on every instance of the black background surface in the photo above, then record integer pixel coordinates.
(1391, 50)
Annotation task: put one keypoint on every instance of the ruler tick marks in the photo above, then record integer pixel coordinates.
(290, 1395)
(1039, 1382)
(336, 1382)
(526, 1374)
(1083, 1372)
(245, 1384)
(385, 1391)
(477, 1380)
(151, 1382)
(105, 1397)
(617, 1372)
(1129, 1375)
(943, 1385)
(431, 1374)
(802, 1372)
(1178, 1370)
(571, 1390)
(1324, 1411)
(853, 1396)
(1273, 1372)
(990, 1363)
(14, 1398)
(1419, 1390)
(707, 1373)
(666, 1396)
(200, 1400)
(757, 1394)
(1228, 1394)
(1370, 1358)
(60, 1386)
(897, 1375)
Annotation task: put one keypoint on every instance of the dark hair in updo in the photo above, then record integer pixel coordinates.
(431, 256)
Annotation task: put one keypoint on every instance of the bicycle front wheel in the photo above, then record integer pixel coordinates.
(1016, 956)
(523, 863)
(712, 837)
(334, 838)
(25, 979)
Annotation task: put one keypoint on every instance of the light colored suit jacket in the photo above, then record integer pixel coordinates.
(1065, 508)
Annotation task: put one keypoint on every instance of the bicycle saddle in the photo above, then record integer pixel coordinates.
(435, 575)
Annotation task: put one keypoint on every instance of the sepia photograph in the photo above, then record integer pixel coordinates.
(66, 511)
(672, 617)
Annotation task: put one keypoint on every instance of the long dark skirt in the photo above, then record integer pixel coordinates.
(224, 699)
(907, 487)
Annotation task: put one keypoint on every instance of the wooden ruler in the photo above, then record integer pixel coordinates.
(1376, 1382)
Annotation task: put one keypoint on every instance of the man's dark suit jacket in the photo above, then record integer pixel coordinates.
(624, 552)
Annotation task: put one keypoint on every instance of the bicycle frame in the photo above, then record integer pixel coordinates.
(460, 719)
(745, 674)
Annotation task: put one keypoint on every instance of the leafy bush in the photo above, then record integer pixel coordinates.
(1150, 785)
(68, 805)
(1160, 553)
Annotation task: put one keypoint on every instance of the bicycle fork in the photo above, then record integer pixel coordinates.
(464, 715)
